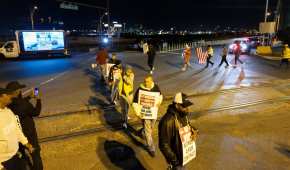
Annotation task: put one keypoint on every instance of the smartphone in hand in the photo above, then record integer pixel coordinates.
(36, 92)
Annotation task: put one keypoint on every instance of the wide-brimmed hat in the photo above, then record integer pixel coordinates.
(181, 98)
(14, 85)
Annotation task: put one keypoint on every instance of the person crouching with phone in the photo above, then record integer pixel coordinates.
(25, 110)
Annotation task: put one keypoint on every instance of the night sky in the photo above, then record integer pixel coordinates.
(157, 14)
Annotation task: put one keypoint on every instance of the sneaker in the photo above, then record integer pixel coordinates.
(151, 72)
(190, 65)
(153, 68)
(183, 69)
(124, 125)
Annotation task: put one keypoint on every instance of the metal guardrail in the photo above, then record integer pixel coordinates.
(168, 47)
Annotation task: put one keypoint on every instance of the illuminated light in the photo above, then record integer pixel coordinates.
(105, 40)
(118, 25)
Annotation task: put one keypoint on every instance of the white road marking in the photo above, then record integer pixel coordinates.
(56, 77)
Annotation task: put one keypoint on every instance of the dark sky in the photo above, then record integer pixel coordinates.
(157, 14)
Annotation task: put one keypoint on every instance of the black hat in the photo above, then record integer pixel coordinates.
(5, 91)
(180, 98)
(15, 85)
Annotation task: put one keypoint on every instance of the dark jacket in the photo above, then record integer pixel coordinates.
(169, 140)
(115, 61)
(111, 72)
(26, 111)
(151, 52)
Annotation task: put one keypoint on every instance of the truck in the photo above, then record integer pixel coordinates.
(35, 43)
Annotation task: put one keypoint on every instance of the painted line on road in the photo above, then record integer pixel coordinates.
(58, 75)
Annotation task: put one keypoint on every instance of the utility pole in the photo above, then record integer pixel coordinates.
(265, 19)
(277, 16)
(108, 10)
(266, 11)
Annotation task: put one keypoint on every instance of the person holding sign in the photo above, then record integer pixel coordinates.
(147, 100)
(115, 82)
(176, 135)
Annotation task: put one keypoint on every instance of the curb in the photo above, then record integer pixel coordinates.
(269, 57)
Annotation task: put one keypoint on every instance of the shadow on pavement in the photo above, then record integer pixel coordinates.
(174, 64)
(199, 71)
(135, 136)
(137, 66)
(169, 76)
(111, 116)
(283, 149)
(122, 155)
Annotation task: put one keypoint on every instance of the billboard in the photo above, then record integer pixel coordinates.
(43, 41)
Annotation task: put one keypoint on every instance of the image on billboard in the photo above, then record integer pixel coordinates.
(42, 41)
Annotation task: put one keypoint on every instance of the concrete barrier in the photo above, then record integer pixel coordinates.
(264, 50)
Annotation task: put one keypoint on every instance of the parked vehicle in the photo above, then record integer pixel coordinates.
(36, 43)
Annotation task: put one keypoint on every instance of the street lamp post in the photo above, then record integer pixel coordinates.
(266, 11)
(265, 19)
(32, 11)
(124, 29)
(101, 19)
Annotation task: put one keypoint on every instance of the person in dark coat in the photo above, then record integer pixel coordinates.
(168, 131)
(151, 57)
(224, 56)
(25, 110)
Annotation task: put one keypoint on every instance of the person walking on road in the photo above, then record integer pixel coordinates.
(209, 56)
(145, 47)
(285, 55)
(176, 134)
(224, 56)
(126, 97)
(115, 82)
(186, 57)
(24, 109)
(237, 53)
(101, 59)
(151, 57)
(10, 135)
(147, 100)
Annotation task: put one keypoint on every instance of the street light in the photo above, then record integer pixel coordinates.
(32, 11)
